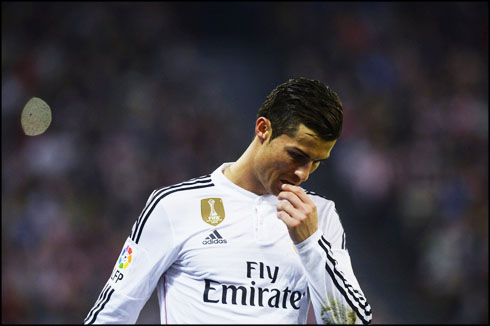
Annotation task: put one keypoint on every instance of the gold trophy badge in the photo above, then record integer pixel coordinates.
(212, 211)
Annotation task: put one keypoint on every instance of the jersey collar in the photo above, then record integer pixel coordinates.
(219, 179)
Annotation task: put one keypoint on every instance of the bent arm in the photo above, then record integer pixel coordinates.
(335, 292)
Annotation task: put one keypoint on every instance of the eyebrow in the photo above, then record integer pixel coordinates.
(308, 156)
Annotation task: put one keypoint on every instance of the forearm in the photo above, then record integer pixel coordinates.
(335, 292)
(127, 289)
(113, 307)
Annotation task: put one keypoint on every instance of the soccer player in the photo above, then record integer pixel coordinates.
(246, 244)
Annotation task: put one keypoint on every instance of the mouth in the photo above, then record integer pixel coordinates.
(280, 183)
(287, 182)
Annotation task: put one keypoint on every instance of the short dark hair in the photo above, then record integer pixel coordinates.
(303, 101)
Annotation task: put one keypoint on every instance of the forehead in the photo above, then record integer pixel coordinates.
(307, 141)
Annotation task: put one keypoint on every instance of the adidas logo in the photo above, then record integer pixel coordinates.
(214, 238)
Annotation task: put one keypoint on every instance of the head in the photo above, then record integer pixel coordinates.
(296, 127)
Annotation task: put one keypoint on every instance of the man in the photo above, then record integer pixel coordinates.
(246, 244)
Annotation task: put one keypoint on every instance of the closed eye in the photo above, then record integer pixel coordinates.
(301, 158)
(298, 157)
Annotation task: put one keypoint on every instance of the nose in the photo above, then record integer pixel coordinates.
(303, 171)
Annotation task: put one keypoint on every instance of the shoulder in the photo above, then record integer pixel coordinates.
(321, 201)
(327, 212)
(183, 190)
(170, 205)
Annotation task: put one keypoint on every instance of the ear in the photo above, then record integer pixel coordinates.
(263, 129)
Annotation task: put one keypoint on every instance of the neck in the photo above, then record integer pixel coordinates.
(242, 171)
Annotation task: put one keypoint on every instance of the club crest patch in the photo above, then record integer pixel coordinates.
(212, 211)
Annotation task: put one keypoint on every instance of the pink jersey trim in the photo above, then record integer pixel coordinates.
(165, 300)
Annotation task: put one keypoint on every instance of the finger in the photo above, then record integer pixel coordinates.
(290, 197)
(287, 219)
(299, 192)
(288, 208)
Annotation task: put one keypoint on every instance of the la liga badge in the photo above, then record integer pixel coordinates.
(125, 258)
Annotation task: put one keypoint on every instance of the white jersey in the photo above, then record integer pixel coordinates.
(218, 253)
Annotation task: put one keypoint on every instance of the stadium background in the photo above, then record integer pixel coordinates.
(150, 94)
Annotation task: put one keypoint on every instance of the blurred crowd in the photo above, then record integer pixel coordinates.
(148, 94)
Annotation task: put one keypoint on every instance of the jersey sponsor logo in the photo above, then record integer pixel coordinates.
(125, 258)
(212, 210)
(214, 238)
(254, 295)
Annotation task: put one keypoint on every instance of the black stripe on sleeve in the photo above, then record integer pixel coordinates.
(136, 224)
(362, 301)
(99, 304)
(154, 197)
(137, 234)
(354, 298)
(203, 179)
(101, 307)
(308, 192)
(96, 303)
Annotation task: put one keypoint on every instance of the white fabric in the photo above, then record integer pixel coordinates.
(251, 272)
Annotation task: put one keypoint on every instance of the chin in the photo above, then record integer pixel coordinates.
(275, 190)
(275, 193)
